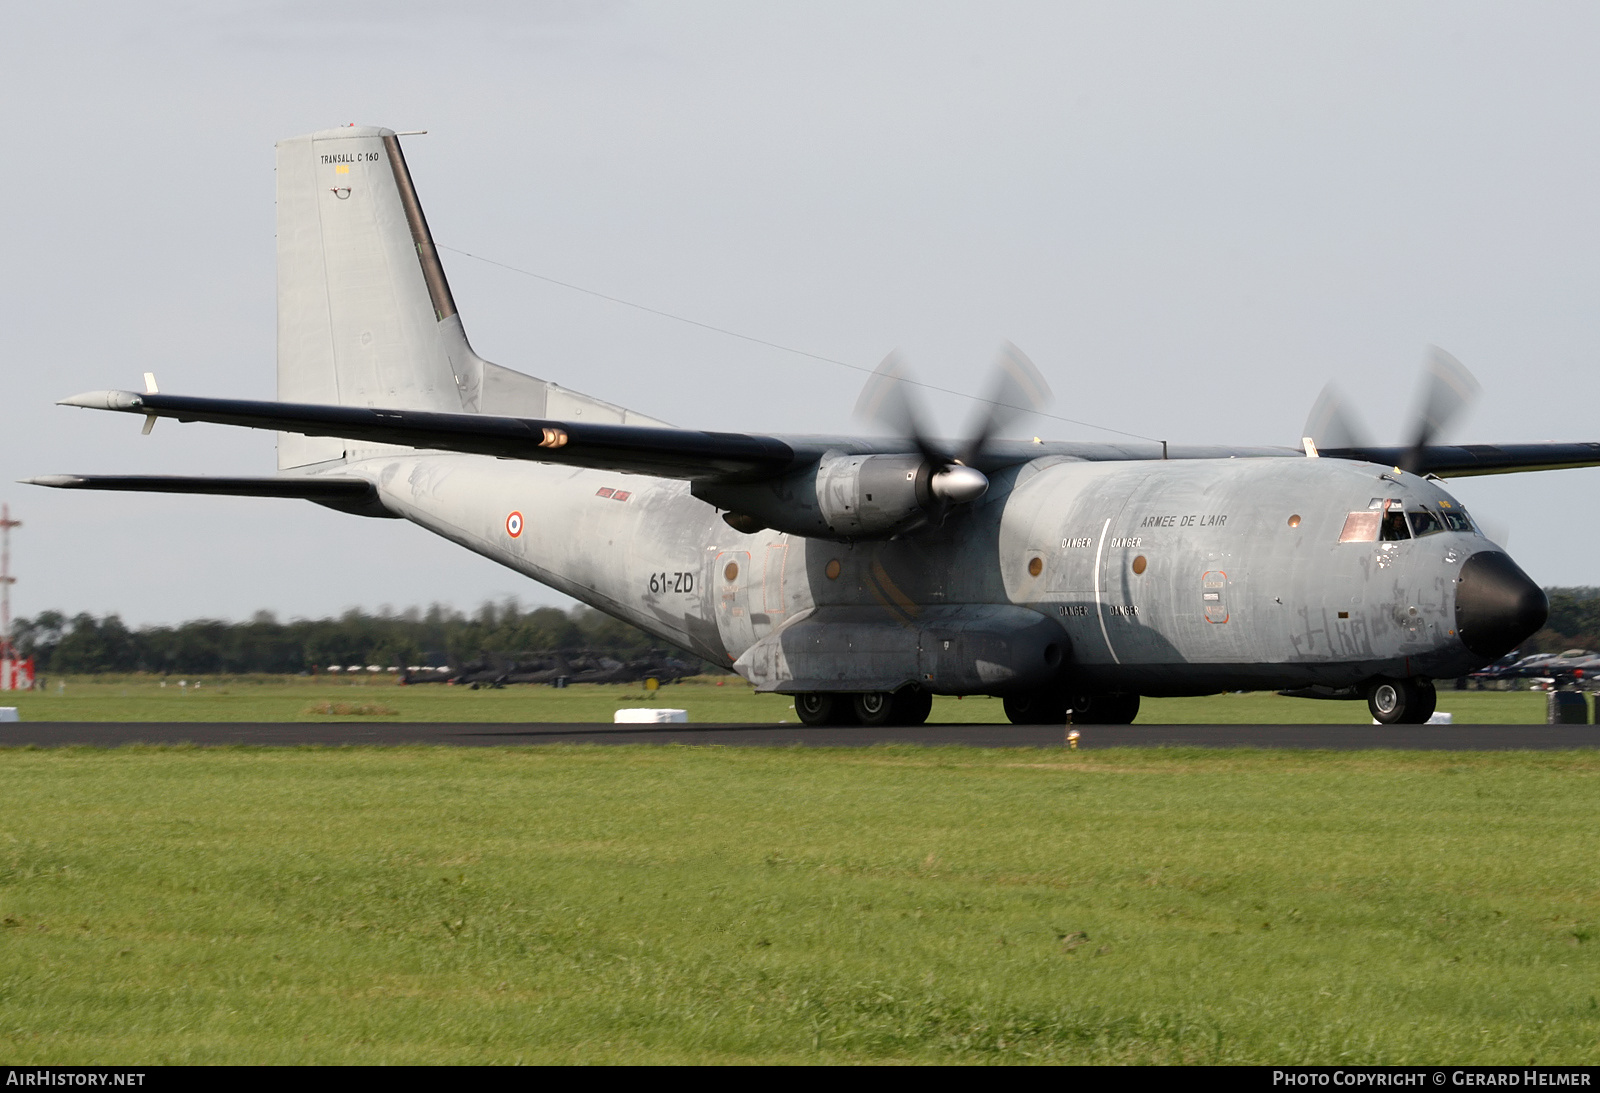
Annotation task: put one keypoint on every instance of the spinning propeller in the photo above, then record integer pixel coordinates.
(890, 399)
(1447, 390)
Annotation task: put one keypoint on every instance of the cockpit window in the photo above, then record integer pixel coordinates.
(1360, 527)
(1455, 517)
(1424, 522)
(1393, 527)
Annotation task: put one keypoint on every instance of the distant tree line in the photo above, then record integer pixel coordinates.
(86, 644)
(1574, 621)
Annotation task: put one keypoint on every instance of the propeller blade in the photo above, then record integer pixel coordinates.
(1018, 390)
(1495, 530)
(890, 401)
(1332, 424)
(1447, 389)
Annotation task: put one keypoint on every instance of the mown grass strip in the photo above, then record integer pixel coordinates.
(724, 905)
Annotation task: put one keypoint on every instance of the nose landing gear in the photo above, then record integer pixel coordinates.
(1402, 701)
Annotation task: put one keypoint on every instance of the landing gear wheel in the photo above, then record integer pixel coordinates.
(821, 708)
(1036, 708)
(874, 708)
(1105, 709)
(1402, 701)
(912, 705)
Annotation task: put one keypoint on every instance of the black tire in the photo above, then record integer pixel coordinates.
(1105, 709)
(1036, 708)
(819, 708)
(1402, 701)
(912, 705)
(874, 708)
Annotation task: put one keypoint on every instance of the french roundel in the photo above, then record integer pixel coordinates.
(514, 524)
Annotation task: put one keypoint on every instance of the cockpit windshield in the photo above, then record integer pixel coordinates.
(1387, 521)
(1424, 522)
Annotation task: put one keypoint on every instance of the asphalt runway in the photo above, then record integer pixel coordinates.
(480, 734)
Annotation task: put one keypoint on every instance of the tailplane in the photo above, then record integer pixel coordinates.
(365, 314)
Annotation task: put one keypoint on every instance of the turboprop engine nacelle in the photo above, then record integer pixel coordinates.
(848, 497)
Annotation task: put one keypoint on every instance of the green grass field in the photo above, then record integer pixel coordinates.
(674, 904)
(280, 698)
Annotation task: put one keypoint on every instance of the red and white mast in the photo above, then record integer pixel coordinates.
(16, 674)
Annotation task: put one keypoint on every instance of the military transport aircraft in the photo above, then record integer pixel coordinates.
(864, 575)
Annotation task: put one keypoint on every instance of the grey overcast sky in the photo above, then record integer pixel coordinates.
(1190, 215)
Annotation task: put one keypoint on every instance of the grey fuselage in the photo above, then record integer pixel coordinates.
(1154, 577)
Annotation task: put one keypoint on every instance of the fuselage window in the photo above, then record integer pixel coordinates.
(1456, 520)
(1393, 528)
(1424, 522)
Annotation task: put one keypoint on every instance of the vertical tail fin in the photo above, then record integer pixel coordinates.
(365, 314)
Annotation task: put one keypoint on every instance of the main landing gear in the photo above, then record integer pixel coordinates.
(911, 705)
(907, 706)
(1402, 701)
(1051, 708)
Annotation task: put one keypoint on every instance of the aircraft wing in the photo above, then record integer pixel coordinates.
(1467, 460)
(669, 453)
(730, 457)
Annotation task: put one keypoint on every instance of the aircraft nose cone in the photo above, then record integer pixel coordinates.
(1497, 605)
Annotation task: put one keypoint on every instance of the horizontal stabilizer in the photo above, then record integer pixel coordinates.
(352, 495)
(668, 453)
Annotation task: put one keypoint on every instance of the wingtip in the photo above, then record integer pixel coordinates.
(59, 481)
(104, 400)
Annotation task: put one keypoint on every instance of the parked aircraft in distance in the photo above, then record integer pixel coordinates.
(864, 575)
(1564, 668)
